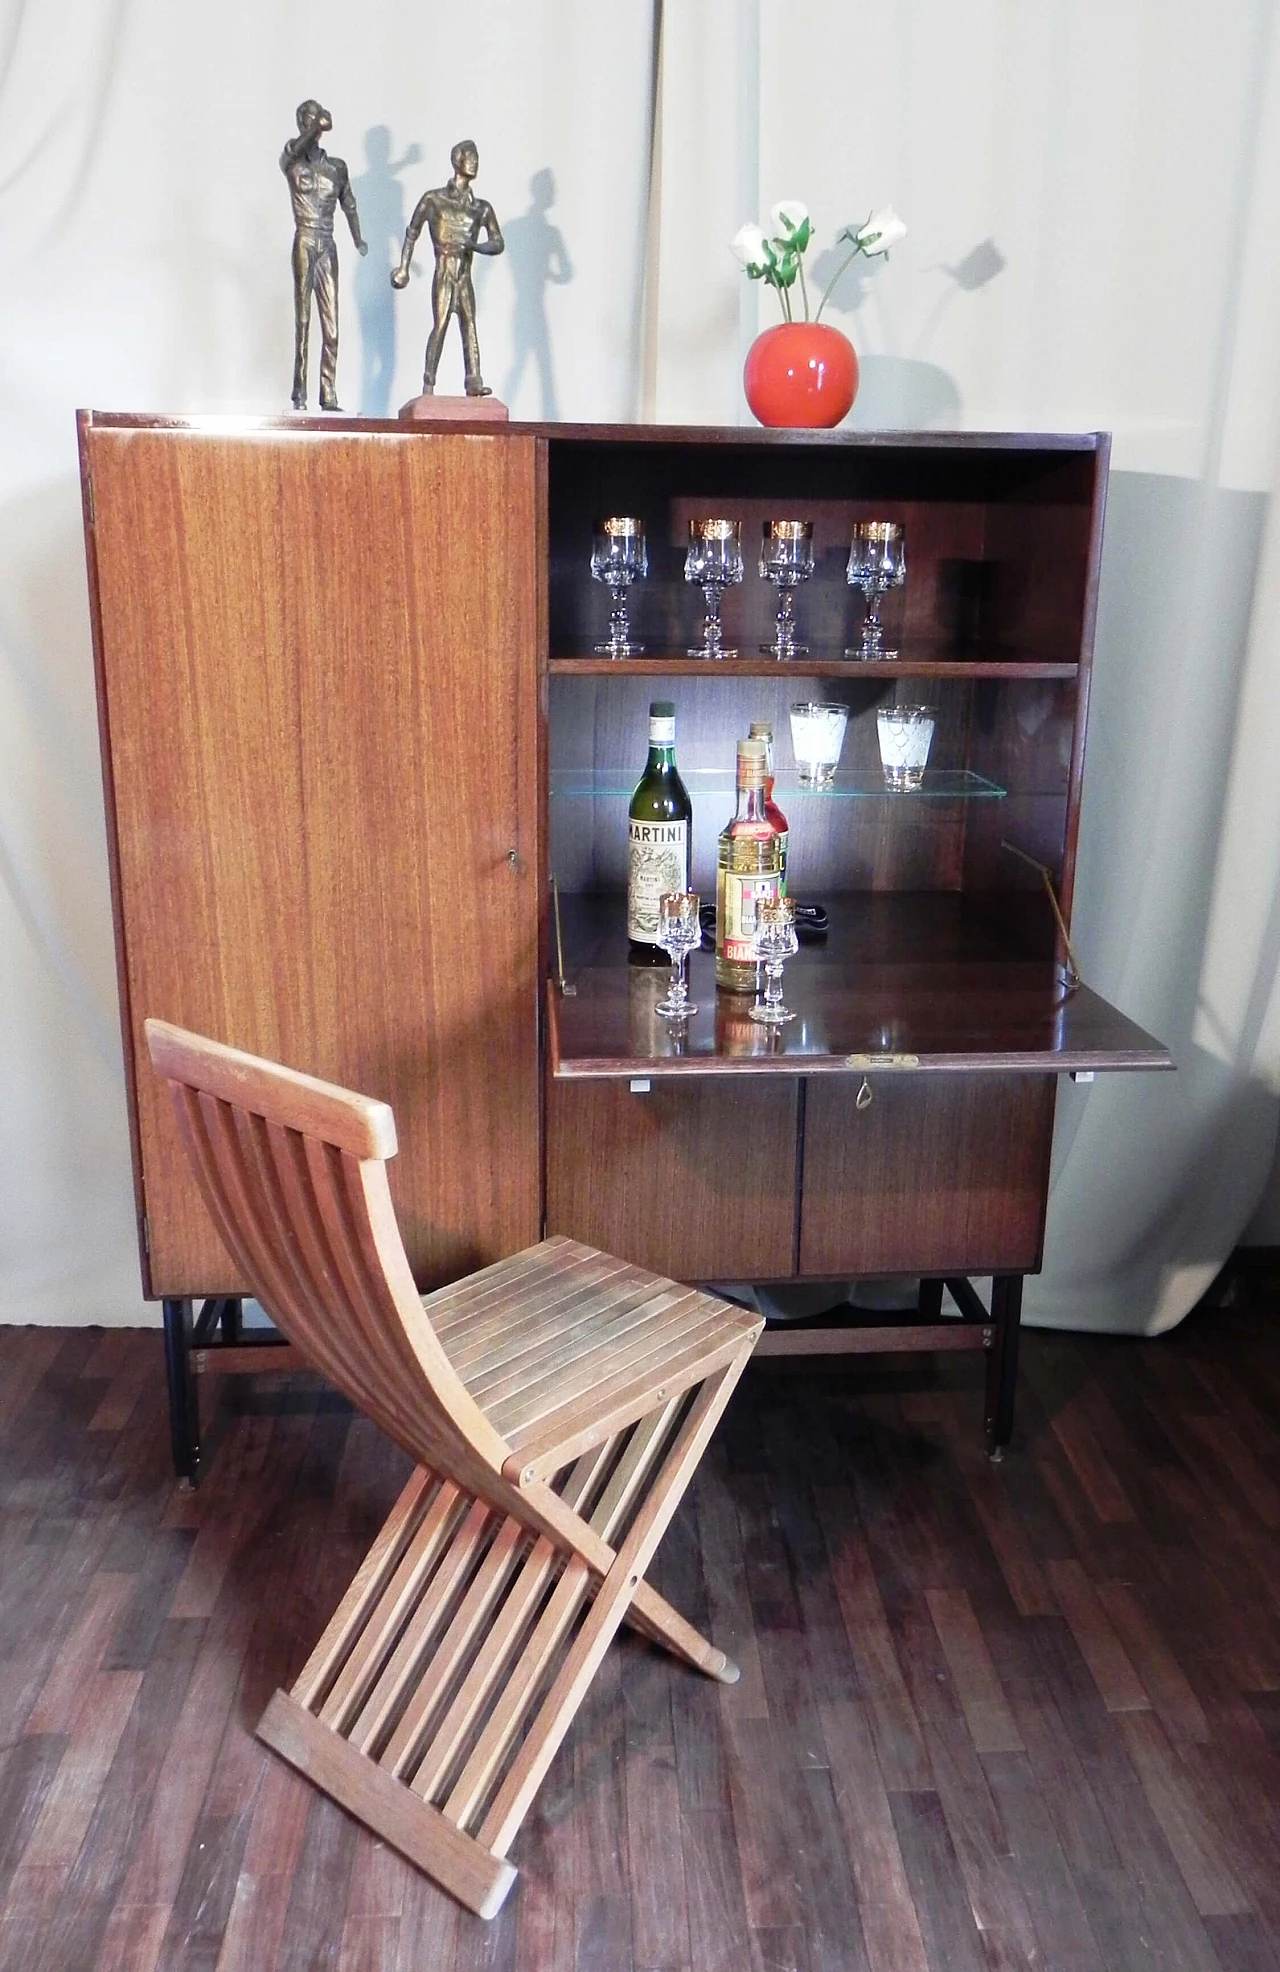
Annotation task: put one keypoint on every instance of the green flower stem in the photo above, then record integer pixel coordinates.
(803, 289)
(840, 271)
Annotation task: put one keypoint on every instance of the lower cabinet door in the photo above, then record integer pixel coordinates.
(695, 1179)
(937, 1174)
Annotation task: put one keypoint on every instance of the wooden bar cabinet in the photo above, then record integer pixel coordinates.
(356, 741)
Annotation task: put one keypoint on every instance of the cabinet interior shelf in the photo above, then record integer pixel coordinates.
(815, 665)
(618, 783)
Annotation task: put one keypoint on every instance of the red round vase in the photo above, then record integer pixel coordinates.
(801, 374)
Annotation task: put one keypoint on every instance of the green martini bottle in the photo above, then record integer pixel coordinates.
(659, 827)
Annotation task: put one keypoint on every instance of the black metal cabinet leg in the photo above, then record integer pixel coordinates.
(184, 1403)
(1002, 1361)
(930, 1300)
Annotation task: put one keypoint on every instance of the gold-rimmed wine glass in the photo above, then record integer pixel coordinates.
(714, 562)
(877, 563)
(786, 560)
(619, 558)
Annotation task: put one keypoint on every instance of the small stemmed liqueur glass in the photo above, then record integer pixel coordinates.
(877, 563)
(775, 942)
(618, 559)
(786, 560)
(679, 931)
(714, 562)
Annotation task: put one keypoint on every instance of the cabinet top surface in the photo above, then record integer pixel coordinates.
(230, 425)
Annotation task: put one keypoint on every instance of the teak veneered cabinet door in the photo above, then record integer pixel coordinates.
(694, 1179)
(939, 1174)
(318, 661)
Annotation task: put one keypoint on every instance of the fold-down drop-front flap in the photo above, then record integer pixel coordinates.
(900, 1018)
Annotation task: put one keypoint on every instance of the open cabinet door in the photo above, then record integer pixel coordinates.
(317, 660)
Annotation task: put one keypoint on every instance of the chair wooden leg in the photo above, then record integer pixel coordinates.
(514, 1798)
(459, 1864)
(650, 1613)
(654, 1619)
(450, 1672)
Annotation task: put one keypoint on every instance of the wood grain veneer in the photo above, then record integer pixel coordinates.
(295, 622)
(956, 1016)
(315, 650)
(698, 1180)
(823, 662)
(939, 1174)
(998, 450)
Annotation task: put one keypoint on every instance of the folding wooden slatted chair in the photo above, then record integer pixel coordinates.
(557, 1404)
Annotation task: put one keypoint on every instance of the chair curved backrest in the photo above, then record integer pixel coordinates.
(293, 1171)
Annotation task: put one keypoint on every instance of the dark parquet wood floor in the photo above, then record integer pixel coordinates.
(990, 1717)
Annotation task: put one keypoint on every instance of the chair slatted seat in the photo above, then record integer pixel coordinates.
(556, 1405)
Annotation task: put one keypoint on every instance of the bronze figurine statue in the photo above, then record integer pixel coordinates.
(318, 183)
(455, 218)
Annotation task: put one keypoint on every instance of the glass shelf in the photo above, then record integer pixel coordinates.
(616, 784)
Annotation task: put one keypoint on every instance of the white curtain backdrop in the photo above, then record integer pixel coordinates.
(1093, 193)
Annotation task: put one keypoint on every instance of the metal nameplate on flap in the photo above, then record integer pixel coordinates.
(882, 1061)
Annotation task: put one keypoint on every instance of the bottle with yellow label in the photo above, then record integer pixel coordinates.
(748, 868)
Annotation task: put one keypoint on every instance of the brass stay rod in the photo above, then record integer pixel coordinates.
(567, 988)
(1074, 975)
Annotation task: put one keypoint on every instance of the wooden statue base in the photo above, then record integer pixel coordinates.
(434, 410)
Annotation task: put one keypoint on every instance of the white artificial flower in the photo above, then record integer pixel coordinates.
(750, 246)
(883, 230)
(787, 217)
